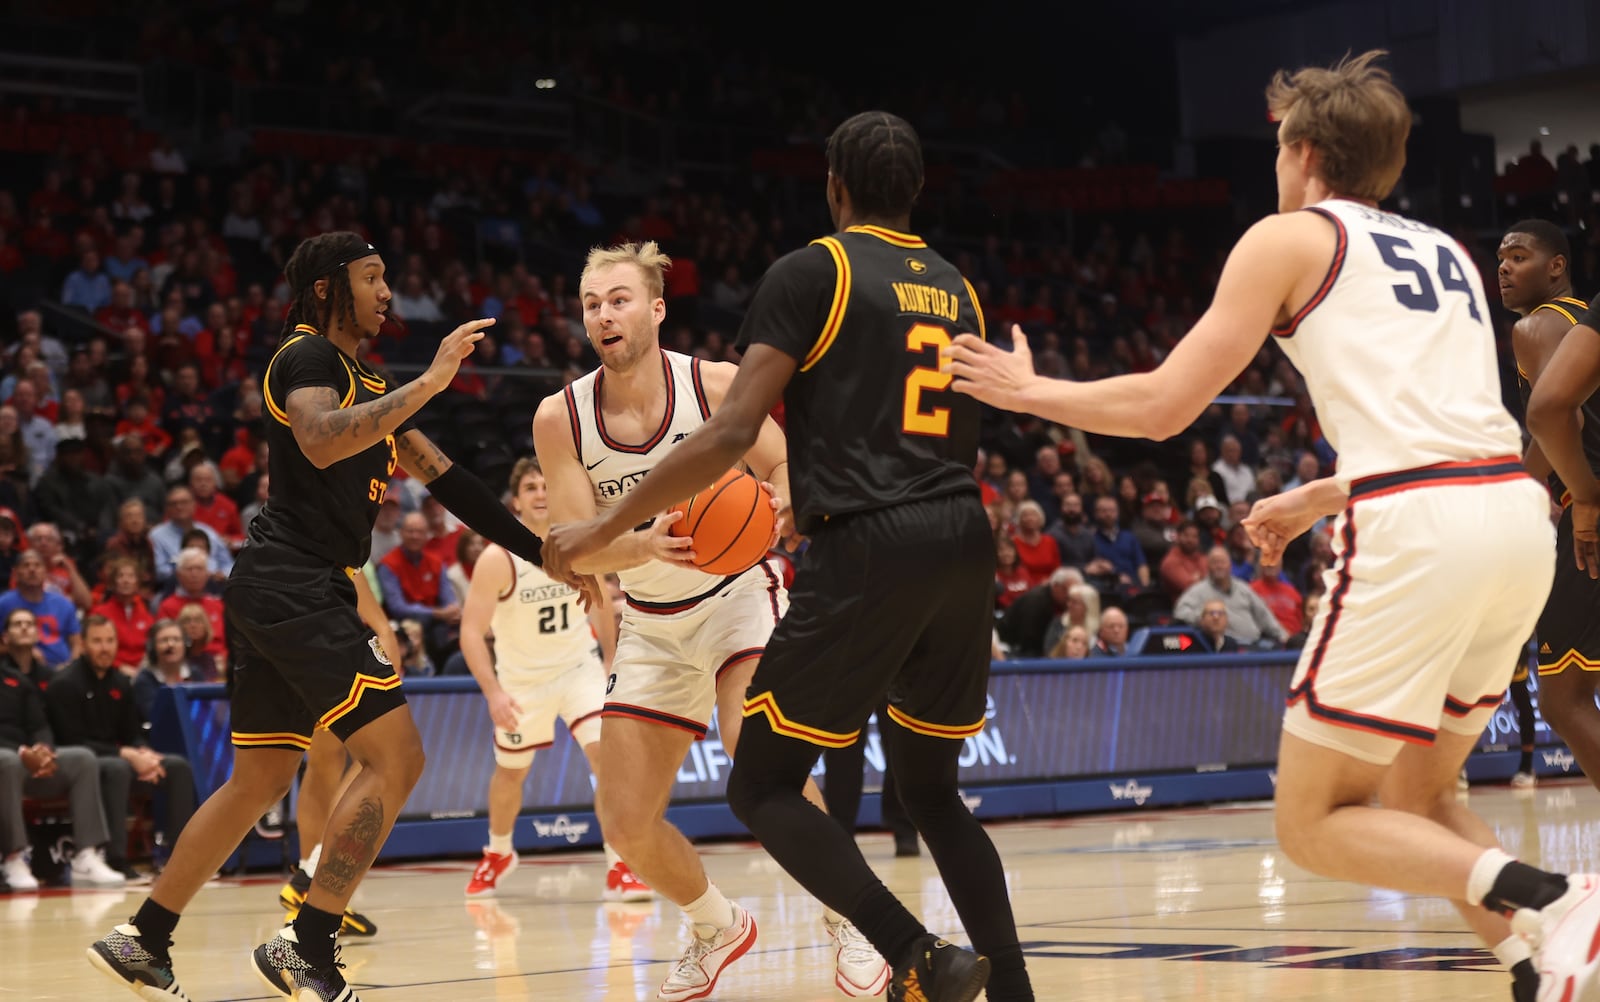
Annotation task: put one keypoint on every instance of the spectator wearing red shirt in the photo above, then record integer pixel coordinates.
(1036, 551)
(1185, 564)
(121, 313)
(138, 420)
(1010, 577)
(192, 575)
(239, 462)
(443, 532)
(127, 611)
(213, 507)
(415, 586)
(1280, 596)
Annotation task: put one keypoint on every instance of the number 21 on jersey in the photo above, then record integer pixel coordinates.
(934, 421)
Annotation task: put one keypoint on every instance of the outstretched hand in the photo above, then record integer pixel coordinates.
(990, 373)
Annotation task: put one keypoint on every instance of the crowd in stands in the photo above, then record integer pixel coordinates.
(145, 286)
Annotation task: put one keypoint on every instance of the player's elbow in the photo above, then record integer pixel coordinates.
(1544, 415)
(733, 438)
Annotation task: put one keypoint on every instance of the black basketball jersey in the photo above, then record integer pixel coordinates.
(328, 513)
(1570, 308)
(871, 422)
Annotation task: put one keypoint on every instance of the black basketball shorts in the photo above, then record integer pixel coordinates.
(302, 656)
(1569, 629)
(899, 601)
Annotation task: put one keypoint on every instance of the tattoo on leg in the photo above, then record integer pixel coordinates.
(352, 850)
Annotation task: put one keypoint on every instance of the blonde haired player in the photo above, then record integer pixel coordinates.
(689, 641)
(543, 666)
(1386, 319)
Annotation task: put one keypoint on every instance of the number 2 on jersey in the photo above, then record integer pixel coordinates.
(934, 421)
(1451, 276)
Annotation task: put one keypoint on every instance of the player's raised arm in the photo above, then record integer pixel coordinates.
(1277, 255)
(327, 432)
(465, 496)
(571, 499)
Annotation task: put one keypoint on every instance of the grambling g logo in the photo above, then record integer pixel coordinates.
(915, 267)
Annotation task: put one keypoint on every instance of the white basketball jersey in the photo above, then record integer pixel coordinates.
(1397, 349)
(539, 624)
(615, 466)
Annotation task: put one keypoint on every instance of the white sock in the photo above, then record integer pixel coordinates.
(710, 909)
(1512, 950)
(612, 859)
(500, 845)
(309, 864)
(1484, 873)
(830, 916)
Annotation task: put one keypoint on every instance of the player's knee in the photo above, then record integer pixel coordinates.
(745, 794)
(928, 801)
(513, 761)
(260, 788)
(626, 820)
(1295, 826)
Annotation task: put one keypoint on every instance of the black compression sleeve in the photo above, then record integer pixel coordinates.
(470, 499)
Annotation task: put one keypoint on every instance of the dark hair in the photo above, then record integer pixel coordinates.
(13, 615)
(524, 466)
(878, 158)
(1547, 235)
(1188, 523)
(93, 620)
(323, 256)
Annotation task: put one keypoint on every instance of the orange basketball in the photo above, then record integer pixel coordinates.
(730, 522)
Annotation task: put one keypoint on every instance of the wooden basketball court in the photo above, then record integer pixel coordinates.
(1187, 904)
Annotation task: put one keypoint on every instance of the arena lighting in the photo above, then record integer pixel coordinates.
(1544, 130)
(546, 83)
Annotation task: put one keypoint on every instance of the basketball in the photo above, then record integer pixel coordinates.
(730, 522)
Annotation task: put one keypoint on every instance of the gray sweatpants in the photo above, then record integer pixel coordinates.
(77, 777)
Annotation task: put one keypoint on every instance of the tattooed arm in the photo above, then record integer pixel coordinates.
(327, 433)
(420, 457)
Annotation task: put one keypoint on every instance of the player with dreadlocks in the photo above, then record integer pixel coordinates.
(304, 659)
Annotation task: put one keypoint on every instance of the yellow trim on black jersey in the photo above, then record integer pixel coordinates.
(766, 704)
(889, 236)
(350, 395)
(1554, 304)
(268, 740)
(1566, 661)
(277, 412)
(362, 683)
(841, 299)
(911, 723)
(977, 308)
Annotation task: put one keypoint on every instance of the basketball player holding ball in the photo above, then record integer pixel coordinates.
(894, 597)
(689, 640)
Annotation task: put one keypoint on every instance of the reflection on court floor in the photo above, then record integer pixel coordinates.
(1192, 904)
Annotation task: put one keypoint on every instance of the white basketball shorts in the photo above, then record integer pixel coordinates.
(1441, 575)
(670, 655)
